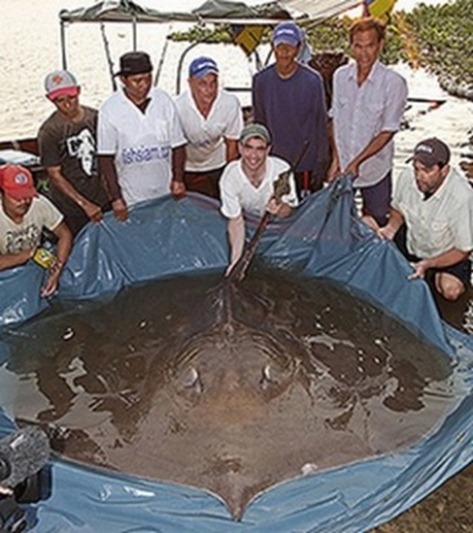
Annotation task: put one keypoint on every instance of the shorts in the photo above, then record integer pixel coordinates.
(461, 270)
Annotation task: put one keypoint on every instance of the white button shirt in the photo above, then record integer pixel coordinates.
(440, 223)
(360, 113)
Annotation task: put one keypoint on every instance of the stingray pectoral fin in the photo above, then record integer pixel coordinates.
(64, 440)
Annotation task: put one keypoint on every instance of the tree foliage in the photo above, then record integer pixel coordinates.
(445, 37)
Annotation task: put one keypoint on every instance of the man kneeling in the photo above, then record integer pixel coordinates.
(248, 185)
(436, 204)
(23, 215)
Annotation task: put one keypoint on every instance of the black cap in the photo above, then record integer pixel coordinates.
(432, 152)
(134, 63)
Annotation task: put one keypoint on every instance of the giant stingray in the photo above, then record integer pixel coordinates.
(233, 388)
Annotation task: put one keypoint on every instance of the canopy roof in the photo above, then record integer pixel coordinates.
(318, 10)
(213, 11)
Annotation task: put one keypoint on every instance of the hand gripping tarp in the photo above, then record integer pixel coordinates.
(166, 238)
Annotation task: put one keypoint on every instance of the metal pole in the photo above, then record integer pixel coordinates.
(179, 66)
(108, 56)
(63, 45)
(161, 59)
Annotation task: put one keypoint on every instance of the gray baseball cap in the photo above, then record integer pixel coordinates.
(60, 83)
(255, 130)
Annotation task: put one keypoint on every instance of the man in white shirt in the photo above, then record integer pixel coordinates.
(23, 214)
(140, 139)
(247, 185)
(436, 205)
(367, 107)
(212, 121)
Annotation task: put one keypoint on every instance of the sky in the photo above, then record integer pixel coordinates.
(407, 5)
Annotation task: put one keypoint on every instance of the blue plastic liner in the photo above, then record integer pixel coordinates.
(167, 238)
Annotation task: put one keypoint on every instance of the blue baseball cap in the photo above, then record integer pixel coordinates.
(287, 33)
(202, 66)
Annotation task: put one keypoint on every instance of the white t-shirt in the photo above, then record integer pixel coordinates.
(15, 238)
(141, 142)
(239, 194)
(206, 147)
(440, 223)
(361, 112)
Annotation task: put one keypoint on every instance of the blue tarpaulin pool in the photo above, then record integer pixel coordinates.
(167, 238)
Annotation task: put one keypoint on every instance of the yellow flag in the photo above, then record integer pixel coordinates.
(247, 36)
(380, 8)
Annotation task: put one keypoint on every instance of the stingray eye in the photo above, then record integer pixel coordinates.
(266, 380)
(191, 381)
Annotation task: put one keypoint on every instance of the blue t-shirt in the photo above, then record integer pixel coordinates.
(294, 111)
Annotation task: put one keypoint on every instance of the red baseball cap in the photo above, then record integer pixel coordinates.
(17, 181)
(61, 83)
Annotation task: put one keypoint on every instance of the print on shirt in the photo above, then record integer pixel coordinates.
(145, 154)
(82, 146)
(22, 239)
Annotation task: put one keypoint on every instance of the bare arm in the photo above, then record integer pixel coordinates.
(445, 259)
(64, 242)
(236, 237)
(178, 163)
(373, 147)
(334, 168)
(13, 260)
(64, 245)
(93, 211)
(231, 150)
(396, 220)
(109, 172)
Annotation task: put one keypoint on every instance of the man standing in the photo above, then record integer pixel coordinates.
(436, 205)
(289, 99)
(23, 215)
(67, 148)
(140, 140)
(367, 107)
(248, 185)
(212, 121)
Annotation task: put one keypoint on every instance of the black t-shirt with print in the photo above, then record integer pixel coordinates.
(72, 146)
